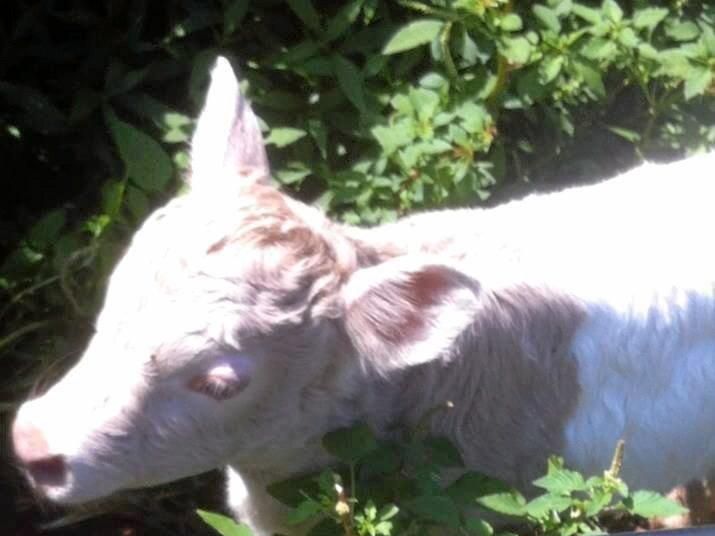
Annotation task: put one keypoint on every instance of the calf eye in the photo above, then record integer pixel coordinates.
(215, 386)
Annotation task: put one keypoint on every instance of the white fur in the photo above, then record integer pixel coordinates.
(190, 299)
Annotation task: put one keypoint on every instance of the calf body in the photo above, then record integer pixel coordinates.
(241, 326)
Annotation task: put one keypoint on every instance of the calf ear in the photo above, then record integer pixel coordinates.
(406, 311)
(227, 142)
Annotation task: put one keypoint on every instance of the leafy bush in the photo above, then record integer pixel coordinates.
(386, 488)
(371, 109)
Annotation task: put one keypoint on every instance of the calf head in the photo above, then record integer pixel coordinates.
(231, 302)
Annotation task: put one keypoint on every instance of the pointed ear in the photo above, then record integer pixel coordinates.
(227, 142)
(408, 311)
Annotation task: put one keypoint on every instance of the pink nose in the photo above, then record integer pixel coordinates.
(31, 449)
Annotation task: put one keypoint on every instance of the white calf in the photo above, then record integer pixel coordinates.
(241, 326)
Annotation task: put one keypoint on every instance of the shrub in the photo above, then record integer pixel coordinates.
(386, 488)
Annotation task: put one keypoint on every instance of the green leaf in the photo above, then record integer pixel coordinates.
(682, 30)
(625, 133)
(588, 14)
(477, 527)
(612, 10)
(342, 20)
(550, 68)
(292, 174)
(47, 229)
(516, 50)
(425, 102)
(282, 136)
(412, 35)
(350, 444)
(394, 136)
(306, 13)
(649, 17)
(547, 17)
(291, 491)
(308, 509)
(471, 486)
(510, 503)
(137, 203)
(591, 76)
(350, 80)
(441, 450)
(145, 161)
(560, 480)
(511, 22)
(440, 510)
(542, 506)
(651, 504)
(599, 48)
(224, 525)
(698, 81)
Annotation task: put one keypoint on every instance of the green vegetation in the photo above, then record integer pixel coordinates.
(386, 488)
(371, 110)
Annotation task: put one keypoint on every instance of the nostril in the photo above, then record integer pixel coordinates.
(49, 471)
(33, 453)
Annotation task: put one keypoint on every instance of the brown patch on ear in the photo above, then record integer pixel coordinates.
(419, 290)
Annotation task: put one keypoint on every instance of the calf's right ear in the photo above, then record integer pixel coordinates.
(227, 144)
(408, 311)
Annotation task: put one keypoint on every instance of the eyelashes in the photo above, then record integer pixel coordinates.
(217, 387)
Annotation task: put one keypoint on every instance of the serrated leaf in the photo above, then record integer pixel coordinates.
(651, 504)
(649, 17)
(547, 17)
(224, 525)
(560, 480)
(394, 136)
(599, 48)
(414, 34)
(350, 444)
(282, 136)
(440, 510)
(350, 80)
(510, 503)
(306, 13)
(698, 81)
(540, 507)
(612, 10)
(145, 161)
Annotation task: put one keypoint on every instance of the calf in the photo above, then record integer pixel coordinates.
(241, 326)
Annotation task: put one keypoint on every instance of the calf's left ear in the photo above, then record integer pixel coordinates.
(408, 311)
(227, 143)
